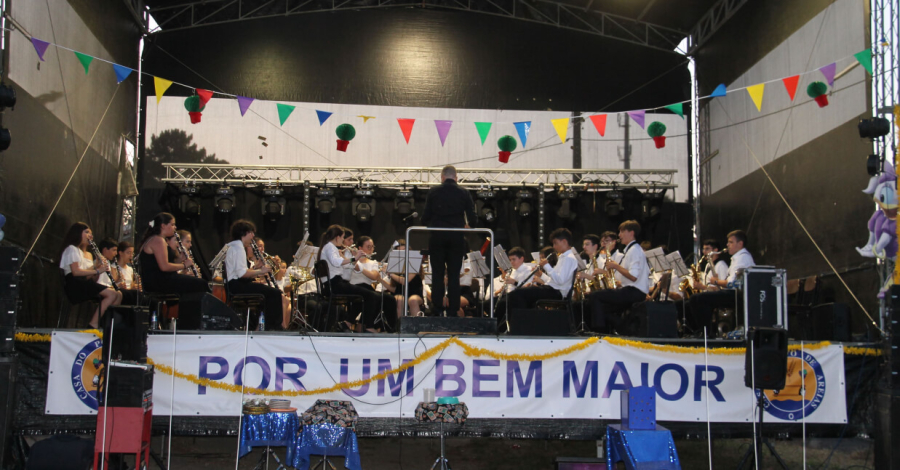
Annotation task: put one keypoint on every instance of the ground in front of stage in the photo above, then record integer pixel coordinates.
(520, 454)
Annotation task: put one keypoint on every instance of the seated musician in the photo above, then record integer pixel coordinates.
(540, 277)
(715, 266)
(510, 281)
(560, 275)
(109, 249)
(631, 271)
(278, 272)
(719, 292)
(590, 244)
(331, 241)
(124, 258)
(82, 270)
(240, 278)
(367, 274)
(158, 272)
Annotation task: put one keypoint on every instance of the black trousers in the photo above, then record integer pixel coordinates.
(174, 283)
(526, 297)
(607, 304)
(702, 305)
(371, 299)
(446, 250)
(387, 305)
(272, 308)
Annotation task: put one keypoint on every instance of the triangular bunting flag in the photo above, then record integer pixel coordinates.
(865, 59)
(756, 94)
(205, 96)
(599, 121)
(284, 110)
(40, 47)
(638, 117)
(719, 91)
(443, 128)
(85, 61)
(562, 128)
(406, 126)
(244, 104)
(365, 118)
(677, 108)
(483, 129)
(790, 84)
(324, 115)
(121, 72)
(161, 85)
(829, 71)
(523, 128)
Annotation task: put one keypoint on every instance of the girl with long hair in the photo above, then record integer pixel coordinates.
(329, 250)
(157, 272)
(82, 270)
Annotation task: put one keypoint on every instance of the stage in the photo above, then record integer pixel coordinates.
(517, 387)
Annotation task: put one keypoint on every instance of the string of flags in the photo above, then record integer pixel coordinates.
(817, 90)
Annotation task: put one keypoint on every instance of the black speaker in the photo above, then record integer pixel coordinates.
(10, 259)
(449, 325)
(130, 386)
(829, 322)
(650, 320)
(7, 339)
(128, 333)
(538, 322)
(204, 311)
(61, 452)
(8, 367)
(765, 362)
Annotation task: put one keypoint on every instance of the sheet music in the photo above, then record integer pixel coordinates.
(218, 260)
(677, 263)
(478, 265)
(308, 256)
(581, 264)
(299, 252)
(657, 259)
(395, 261)
(536, 256)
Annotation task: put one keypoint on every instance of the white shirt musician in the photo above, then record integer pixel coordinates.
(561, 275)
(703, 304)
(631, 271)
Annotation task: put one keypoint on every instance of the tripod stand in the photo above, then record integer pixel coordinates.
(755, 453)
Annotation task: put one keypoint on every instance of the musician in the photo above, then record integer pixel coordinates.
(81, 271)
(367, 274)
(719, 292)
(416, 295)
(541, 278)
(240, 278)
(716, 267)
(560, 275)
(519, 272)
(590, 244)
(124, 258)
(109, 250)
(331, 240)
(278, 272)
(631, 271)
(157, 272)
(447, 206)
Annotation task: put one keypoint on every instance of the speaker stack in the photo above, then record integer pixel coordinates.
(10, 260)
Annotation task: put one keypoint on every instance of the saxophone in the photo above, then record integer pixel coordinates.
(687, 283)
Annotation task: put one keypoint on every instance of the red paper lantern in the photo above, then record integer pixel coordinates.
(660, 141)
(821, 100)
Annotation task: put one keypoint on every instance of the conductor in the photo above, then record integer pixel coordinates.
(447, 206)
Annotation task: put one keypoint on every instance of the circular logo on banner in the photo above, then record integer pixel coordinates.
(804, 376)
(86, 369)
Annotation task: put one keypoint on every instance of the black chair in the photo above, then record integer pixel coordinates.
(66, 304)
(665, 282)
(564, 304)
(249, 303)
(338, 301)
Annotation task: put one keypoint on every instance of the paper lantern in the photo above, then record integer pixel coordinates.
(819, 92)
(345, 133)
(656, 130)
(194, 107)
(507, 144)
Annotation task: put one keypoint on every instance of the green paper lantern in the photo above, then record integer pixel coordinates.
(345, 132)
(192, 104)
(656, 129)
(816, 89)
(507, 143)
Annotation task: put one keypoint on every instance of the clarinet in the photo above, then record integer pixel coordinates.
(187, 255)
(270, 277)
(98, 256)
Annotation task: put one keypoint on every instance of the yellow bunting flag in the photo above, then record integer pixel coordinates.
(161, 85)
(756, 94)
(562, 127)
(365, 118)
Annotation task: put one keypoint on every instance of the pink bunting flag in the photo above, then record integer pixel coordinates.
(638, 117)
(443, 128)
(244, 104)
(40, 47)
(829, 71)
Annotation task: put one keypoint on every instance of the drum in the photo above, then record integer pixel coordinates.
(218, 291)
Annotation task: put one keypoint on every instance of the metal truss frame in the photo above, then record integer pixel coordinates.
(558, 13)
(711, 22)
(292, 175)
(886, 53)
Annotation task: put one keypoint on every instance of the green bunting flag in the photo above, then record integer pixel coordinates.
(85, 61)
(865, 59)
(284, 110)
(483, 129)
(677, 108)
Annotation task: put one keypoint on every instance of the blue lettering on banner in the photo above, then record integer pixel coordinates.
(682, 388)
(441, 377)
(292, 377)
(362, 390)
(618, 368)
(514, 377)
(205, 361)
(263, 365)
(478, 378)
(700, 381)
(384, 365)
(570, 372)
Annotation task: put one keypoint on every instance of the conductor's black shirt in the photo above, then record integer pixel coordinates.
(446, 205)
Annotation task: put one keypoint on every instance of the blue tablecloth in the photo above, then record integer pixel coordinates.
(270, 429)
(326, 439)
(641, 449)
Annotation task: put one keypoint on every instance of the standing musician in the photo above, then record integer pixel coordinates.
(81, 271)
(109, 250)
(157, 272)
(447, 206)
(560, 275)
(719, 292)
(632, 272)
(331, 240)
(367, 274)
(240, 277)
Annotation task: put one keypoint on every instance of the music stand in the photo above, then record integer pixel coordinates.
(307, 257)
(674, 259)
(657, 259)
(395, 262)
(299, 252)
(536, 256)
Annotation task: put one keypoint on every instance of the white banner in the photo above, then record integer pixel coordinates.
(583, 384)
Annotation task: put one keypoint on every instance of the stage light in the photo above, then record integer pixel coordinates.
(7, 96)
(5, 139)
(188, 202)
(651, 205)
(324, 200)
(272, 203)
(363, 209)
(873, 165)
(404, 203)
(523, 202)
(565, 206)
(483, 206)
(225, 199)
(613, 205)
(873, 128)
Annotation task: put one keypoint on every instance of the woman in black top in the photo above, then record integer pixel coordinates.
(157, 272)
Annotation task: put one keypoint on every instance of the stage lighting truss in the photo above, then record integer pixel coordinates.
(324, 200)
(363, 208)
(565, 205)
(404, 203)
(189, 201)
(484, 207)
(225, 199)
(873, 128)
(523, 202)
(273, 202)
